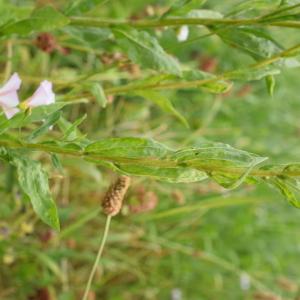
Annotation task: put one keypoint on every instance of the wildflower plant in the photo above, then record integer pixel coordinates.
(126, 94)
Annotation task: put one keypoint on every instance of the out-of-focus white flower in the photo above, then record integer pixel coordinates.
(245, 281)
(42, 96)
(9, 99)
(176, 294)
(183, 33)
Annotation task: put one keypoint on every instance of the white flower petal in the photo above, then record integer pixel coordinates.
(13, 84)
(42, 96)
(8, 93)
(10, 111)
(10, 99)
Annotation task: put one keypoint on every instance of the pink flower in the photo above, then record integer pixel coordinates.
(9, 99)
(42, 96)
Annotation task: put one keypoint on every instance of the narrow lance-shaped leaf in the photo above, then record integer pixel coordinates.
(139, 156)
(174, 175)
(72, 131)
(48, 123)
(128, 152)
(98, 92)
(145, 50)
(217, 86)
(10, 13)
(288, 186)
(34, 182)
(249, 5)
(163, 102)
(23, 118)
(81, 6)
(181, 7)
(128, 148)
(43, 19)
(249, 74)
(214, 157)
(256, 43)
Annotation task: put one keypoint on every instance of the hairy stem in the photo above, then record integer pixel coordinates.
(172, 85)
(151, 162)
(104, 23)
(197, 83)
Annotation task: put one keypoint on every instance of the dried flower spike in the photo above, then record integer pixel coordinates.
(112, 201)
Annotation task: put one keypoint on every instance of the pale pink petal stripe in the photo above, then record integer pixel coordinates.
(8, 93)
(42, 96)
(10, 111)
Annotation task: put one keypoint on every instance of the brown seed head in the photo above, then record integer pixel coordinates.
(46, 42)
(112, 201)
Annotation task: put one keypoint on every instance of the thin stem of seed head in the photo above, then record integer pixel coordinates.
(98, 257)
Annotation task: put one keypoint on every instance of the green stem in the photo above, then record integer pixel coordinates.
(140, 24)
(196, 83)
(173, 85)
(206, 204)
(150, 162)
(96, 263)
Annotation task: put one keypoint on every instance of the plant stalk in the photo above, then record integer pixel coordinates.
(151, 162)
(170, 22)
(97, 260)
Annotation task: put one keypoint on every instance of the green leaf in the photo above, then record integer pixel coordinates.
(213, 157)
(53, 118)
(128, 148)
(226, 165)
(56, 162)
(174, 175)
(10, 13)
(43, 19)
(71, 132)
(50, 263)
(249, 74)
(217, 86)
(98, 92)
(34, 183)
(270, 82)
(144, 49)
(24, 118)
(254, 42)
(163, 102)
(289, 188)
(249, 5)
(181, 7)
(81, 6)
(88, 37)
